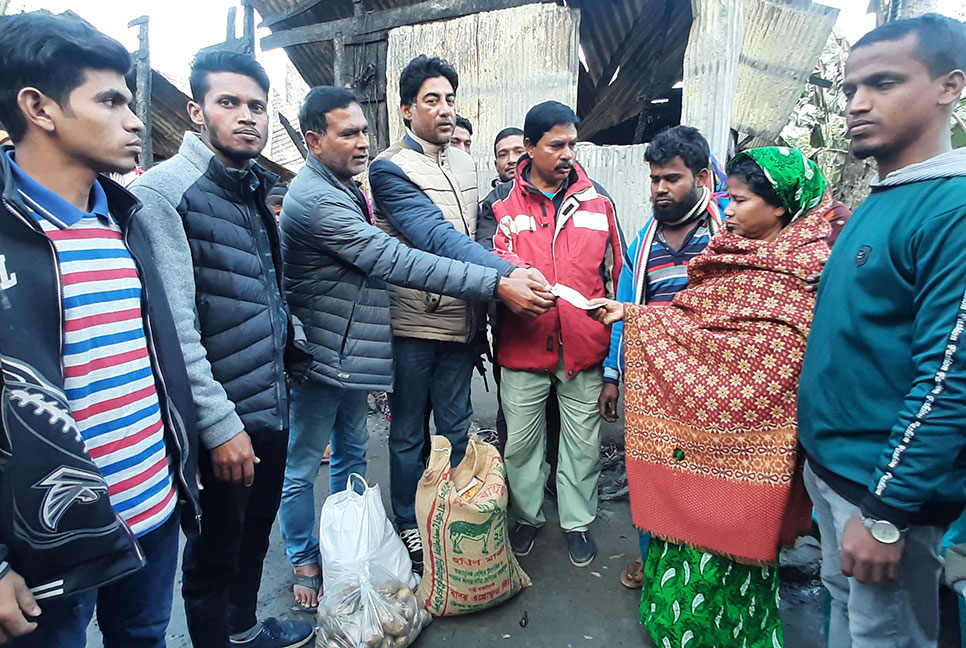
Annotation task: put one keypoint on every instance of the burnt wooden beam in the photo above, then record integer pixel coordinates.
(143, 106)
(294, 135)
(299, 8)
(428, 11)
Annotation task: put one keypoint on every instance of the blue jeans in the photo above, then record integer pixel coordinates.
(894, 614)
(318, 414)
(132, 612)
(443, 372)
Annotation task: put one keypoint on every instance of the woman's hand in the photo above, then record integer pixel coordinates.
(606, 311)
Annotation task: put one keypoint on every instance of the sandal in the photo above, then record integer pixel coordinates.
(309, 582)
(633, 575)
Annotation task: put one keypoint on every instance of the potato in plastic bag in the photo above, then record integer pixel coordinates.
(366, 607)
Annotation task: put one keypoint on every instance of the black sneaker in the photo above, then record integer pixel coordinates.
(522, 537)
(276, 633)
(414, 546)
(581, 548)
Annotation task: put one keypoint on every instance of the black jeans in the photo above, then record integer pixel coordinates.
(223, 566)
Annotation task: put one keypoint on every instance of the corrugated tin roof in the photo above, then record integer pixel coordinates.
(607, 27)
(644, 39)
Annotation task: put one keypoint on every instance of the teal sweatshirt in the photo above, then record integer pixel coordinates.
(882, 401)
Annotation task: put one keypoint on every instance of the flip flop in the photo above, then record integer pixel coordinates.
(633, 575)
(309, 582)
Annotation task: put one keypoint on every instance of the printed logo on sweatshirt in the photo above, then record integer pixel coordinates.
(7, 279)
(863, 255)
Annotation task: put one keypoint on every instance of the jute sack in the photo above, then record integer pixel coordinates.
(461, 513)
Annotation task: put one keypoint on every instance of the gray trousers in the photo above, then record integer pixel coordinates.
(899, 614)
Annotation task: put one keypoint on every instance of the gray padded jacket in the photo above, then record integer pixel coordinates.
(336, 265)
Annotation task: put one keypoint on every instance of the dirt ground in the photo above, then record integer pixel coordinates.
(566, 607)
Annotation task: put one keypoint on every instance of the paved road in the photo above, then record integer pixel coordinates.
(566, 607)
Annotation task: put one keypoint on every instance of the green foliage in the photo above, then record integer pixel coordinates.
(959, 125)
(817, 126)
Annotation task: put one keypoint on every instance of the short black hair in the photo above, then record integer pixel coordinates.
(941, 41)
(223, 61)
(418, 70)
(503, 134)
(680, 141)
(747, 170)
(544, 116)
(463, 122)
(276, 195)
(49, 53)
(319, 101)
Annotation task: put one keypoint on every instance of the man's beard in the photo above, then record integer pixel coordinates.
(677, 210)
(238, 155)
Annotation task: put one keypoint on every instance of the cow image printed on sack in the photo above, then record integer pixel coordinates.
(461, 512)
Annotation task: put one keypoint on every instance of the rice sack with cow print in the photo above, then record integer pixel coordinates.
(461, 512)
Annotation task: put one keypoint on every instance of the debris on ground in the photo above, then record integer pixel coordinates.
(613, 477)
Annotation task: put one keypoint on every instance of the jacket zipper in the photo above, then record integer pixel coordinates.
(257, 228)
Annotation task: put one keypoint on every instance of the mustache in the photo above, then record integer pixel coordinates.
(564, 166)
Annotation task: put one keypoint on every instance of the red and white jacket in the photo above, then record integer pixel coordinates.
(580, 246)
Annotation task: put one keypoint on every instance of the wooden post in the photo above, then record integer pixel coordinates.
(711, 70)
(248, 27)
(338, 60)
(143, 75)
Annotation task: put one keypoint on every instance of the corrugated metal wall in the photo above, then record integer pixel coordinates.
(622, 171)
(710, 69)
(782, 44)
(508, 60)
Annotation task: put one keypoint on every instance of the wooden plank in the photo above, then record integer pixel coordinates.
(428, 11)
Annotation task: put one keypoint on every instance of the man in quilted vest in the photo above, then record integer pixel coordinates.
(425, 195)
(555, 218)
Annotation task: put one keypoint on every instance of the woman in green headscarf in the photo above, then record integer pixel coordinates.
(710, 424)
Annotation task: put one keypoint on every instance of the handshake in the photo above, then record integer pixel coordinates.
(526, 292)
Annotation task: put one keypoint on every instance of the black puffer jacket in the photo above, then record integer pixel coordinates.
(223, 277)
(337, 264)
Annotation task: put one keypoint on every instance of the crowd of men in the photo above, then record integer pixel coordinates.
(174, 357)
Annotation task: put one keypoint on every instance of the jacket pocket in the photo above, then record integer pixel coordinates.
(348, 328)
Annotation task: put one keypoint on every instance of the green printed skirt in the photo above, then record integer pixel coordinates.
(694, 599)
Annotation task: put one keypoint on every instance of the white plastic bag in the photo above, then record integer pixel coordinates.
(355, 533)
(368, 608)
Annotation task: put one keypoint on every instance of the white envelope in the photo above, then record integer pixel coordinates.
(570, 295)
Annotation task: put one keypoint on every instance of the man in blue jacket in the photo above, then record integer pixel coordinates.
(337, 265)
(98, 432)
(882, 401)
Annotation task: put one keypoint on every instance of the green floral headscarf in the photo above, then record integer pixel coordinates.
(797, 180)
